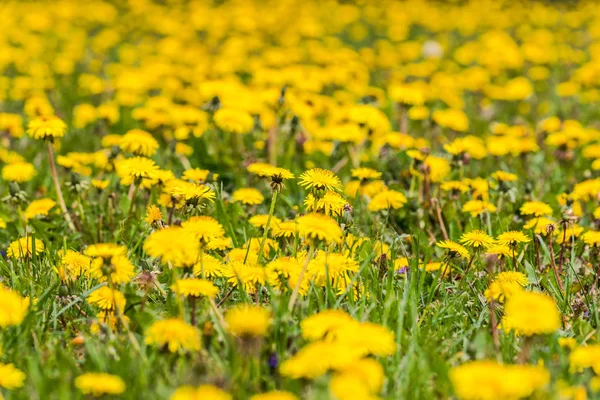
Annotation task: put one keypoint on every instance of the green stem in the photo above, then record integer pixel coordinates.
(175, 278)
(264, 237)
(61, 199)
(131, 204)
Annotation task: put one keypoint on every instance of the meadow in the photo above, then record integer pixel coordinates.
(284, 200)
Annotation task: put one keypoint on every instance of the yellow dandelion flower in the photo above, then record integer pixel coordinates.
(567, 342)
(136, 169)
(174, 334)
(500, 250)
(249, 196)
(100, 184)
(24, 247)
(19, 172)
(367, 337)
(234, 121)
(453, 248)
(531, 313)
(203, 228)
(567, 235)
(316, 358)
(13, 308)
(46, 127)
(274, 395)
(477, 239)
(173, 245)
(501, 290)
(478, 207)
(219, 243)
(111, 140)
(539, 225)
(334, 266)
(39, 207)
(331, 203)
(98, 384)
(105, 250)
(433, 266)
(249, 275)
(585, 357)
(536, 208)
(153, 215)
(192, 193)
(184, 149)
(387, 199)
(368, 371)
(210, 267)
(248, 321)
(285, 229)
(277, 174)
(202, 392)
(195, 287)
(477, 380)
(196, 175)
(107, 299)
(320, 179)
(512, 238)
(260, 169)
(319, 227)
(365, 173)
(321, 324)
(139, 142)
(73, 265)
(119, 269)
(591, 238)
(512, 277)
(454, 186)
(505, 285)
(11, 377)
(502, 176)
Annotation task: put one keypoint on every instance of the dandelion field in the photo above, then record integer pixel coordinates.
(299, 200)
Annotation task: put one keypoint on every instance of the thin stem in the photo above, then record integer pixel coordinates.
(562, 249)
(468, 266)
(264, 237)
(556, 274)
(226, 296)
(492, 310)
(171, 212)
(217, 313)
(537, 253)
(131, 205)
(61, 200)
(438, 210)
(175, 279)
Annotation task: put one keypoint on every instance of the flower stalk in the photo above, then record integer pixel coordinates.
(61, 200)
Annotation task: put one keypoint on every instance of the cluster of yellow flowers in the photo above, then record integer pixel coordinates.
(273, 196)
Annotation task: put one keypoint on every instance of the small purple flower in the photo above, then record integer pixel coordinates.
(273, 361)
